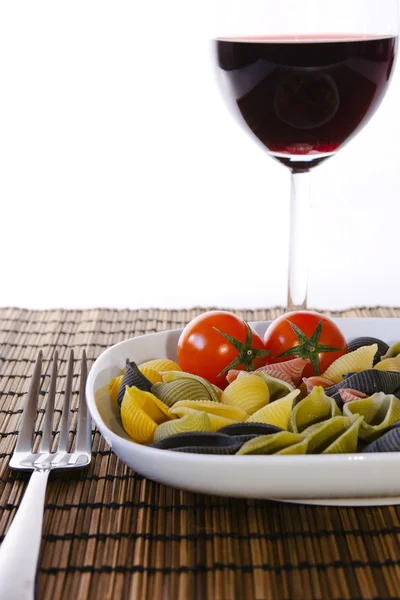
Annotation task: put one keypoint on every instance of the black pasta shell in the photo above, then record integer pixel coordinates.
(133, 377)
(210, 449)
(242, 439)
(241, 429)
(388, 442)
(369, 382)
(369, 341)
(199, 443)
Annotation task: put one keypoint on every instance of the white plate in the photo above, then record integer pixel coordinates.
(342, 479)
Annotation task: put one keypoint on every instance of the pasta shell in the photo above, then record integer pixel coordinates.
(389, 364)
(312, 382)
(218, 391)
(356, 361)
(241, 429)
(313, 409)
(133, 377)
(322, 435)
(388, 442)
(151, 374)
(276, 413)
(190, 423)
(199, 443)
(288, 370)
(347, 442)
(216, 421)
(152, 406)
(160, 365)
(115, 384)
(184, 389)
(249, 393)
(136, 422)
(299, 448)
(270, 444)
(368, 341)
(232, 375)
(172, 376)
(351, 395)
(369, 382)
(393, 351)
(277, 387)
(234, 413)
(380, 411)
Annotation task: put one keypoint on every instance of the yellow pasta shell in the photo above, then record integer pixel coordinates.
(151, 374)
(249, 392)
(152, 406)
(115, 384)
(216, 421)
(353, 362)
(196, 421)
(160, 365)
(389, 364)
(233, 413)
(276, 413)
(137, 424)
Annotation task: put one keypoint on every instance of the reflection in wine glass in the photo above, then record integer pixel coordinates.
(306, 100)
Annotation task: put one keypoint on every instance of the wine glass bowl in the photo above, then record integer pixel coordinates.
(304, 78)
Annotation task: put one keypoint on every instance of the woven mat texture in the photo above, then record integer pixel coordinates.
(109, 533)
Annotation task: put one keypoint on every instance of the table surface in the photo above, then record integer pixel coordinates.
(109, 533)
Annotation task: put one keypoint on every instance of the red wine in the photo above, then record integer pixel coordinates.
(303, 99)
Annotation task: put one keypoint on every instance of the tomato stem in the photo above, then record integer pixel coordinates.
(246, 353)
(308, 347)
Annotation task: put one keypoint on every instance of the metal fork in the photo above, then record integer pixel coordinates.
(19, 552)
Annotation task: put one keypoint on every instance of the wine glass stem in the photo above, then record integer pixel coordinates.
(300, 233)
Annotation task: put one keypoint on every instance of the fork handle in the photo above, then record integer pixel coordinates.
(19, 552)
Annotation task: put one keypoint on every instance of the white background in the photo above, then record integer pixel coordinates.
(125, 182)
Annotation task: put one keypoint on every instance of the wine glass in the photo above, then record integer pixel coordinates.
(304, 76)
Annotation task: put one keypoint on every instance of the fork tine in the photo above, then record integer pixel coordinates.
(25, 436)
(48, 421)
(83, 435)
(64, 425)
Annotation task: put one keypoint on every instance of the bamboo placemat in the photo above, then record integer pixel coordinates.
(111, 534)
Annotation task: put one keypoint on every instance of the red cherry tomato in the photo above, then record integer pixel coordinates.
(305, 334)
(217, 341)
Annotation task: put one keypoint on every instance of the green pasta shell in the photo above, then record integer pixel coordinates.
(172, 376)
(316, 407)
(323, 436)
(380, 411)
(183, 389)
(196, 421)
(299, 448)
(270, 444)
(216, 421)
(234, 413)
(277, 388)
(347, 442)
